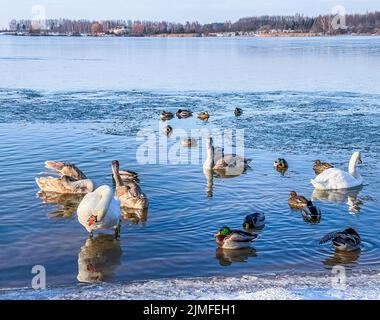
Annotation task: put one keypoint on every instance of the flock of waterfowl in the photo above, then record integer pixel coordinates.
(100, 208)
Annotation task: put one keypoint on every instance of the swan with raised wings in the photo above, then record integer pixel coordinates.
(336, 179)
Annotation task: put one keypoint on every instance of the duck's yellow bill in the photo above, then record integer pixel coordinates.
(217, 234)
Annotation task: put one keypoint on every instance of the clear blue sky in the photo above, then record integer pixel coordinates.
(175, 10)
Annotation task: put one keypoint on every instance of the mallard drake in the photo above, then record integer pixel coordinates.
(254, 220)
(129, 194)
(280, 164)
(71, 179)
(346, 240)
(319, 166)
(167, 130)
(233, 239)
(229, 164)
(336, 179)
(203, 115)
(100, 210)
(238, 111)
(183, 113)
(189, 142)
(166, 115)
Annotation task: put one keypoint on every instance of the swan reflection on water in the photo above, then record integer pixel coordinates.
(99, 258)
(342, 258)
(348, 196)
(135, 216)
(65, 204)
(227, 257)
(220, 174)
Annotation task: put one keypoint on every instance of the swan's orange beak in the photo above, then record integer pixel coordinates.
(91, 221)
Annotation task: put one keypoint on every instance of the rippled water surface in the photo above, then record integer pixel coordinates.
(175, 238)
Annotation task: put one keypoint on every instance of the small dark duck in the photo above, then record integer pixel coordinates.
(238, 111)
(183, 113)
(346, 240)
(166, 115)
(254, 221)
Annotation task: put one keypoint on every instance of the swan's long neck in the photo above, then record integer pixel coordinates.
(106, 196)
(352, 165)
(209, 163)
(116, 176)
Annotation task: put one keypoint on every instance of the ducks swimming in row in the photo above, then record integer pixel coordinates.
(336, 179)
(70, 180)
(182, 113)
(346, 240)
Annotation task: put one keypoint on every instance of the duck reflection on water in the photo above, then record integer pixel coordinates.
(342, 258)
(227, 257)
(99, 258)
(135, 216)
(64, 204)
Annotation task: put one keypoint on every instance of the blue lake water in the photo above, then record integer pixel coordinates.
(84, 100)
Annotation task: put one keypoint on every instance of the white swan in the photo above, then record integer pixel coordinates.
(336, 179)
(100, 210)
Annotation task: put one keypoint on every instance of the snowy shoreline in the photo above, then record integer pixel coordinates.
(285, 287)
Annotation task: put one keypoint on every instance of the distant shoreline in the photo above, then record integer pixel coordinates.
(190, 35)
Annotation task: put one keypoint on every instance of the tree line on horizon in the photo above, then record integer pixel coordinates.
(355, 23)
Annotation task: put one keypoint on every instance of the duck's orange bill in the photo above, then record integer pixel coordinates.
(217, 234)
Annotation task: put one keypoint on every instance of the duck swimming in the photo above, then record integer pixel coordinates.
(297, 202)
(100, 210)
(71, 180)
(167, 130)
(230, 164)
(203, 115)
(129, 194)
(233, 239)
(189, 142)
(238, 112)
(319, 166)
(254, 221)
(346, 240)
(183, 113)
(336, 179)
(311, 213)
(281, 165)
(166, 115)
